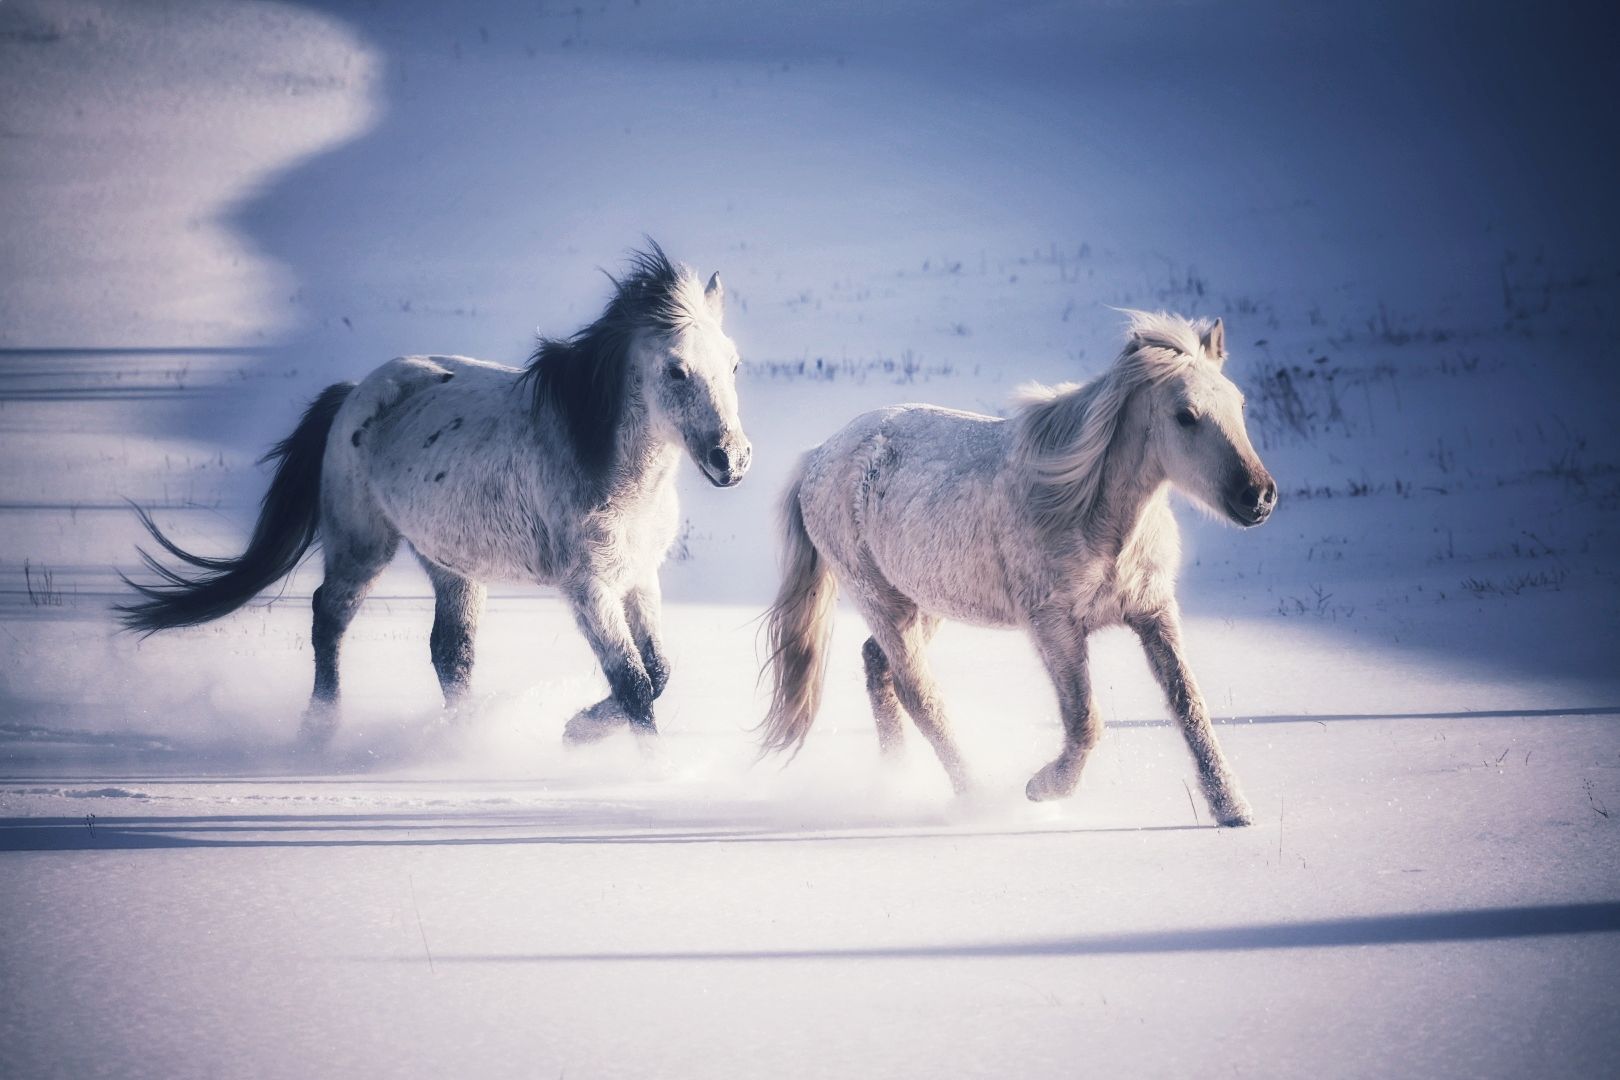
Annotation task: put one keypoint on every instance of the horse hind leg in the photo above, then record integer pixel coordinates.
(353, 561)
(902, 632)
(458, 603)
(886, 708)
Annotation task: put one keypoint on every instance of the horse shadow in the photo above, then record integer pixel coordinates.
(1415, 928)
(624, 824)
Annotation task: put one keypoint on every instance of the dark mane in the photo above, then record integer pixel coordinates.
(583, 378)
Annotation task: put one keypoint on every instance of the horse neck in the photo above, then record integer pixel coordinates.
(1132, 479)
(643, 459)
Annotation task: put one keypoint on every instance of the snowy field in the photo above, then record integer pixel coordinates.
(209, 211)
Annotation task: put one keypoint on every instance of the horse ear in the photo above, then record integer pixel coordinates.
(715, 294)
(1215, 342)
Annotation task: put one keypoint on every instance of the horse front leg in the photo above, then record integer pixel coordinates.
(1061, 641)
(600, 614)
(1160, 633)
(642, 611)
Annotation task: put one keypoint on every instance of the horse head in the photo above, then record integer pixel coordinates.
(1197, 428)
(689, 375)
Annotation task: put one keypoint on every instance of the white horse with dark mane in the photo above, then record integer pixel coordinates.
(562, 473)
(1056, 520)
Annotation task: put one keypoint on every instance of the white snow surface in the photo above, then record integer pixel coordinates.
(211, 210)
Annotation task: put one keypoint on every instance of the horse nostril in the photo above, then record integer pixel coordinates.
(719, 458)
(1269, 496)
(747, 457)
(1250, 497)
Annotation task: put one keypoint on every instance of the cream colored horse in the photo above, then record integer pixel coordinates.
(1056, 520)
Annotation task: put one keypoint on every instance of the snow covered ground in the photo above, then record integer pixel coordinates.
(211, 210)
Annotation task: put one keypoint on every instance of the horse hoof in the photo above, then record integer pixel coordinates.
(655, 762)
(595, 723)
(316, 730)
(583, 730)
(1236, 816)
(1052, 782)
(311, 752)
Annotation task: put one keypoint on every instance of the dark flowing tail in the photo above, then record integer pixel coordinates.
(799, 624)
(288, 517)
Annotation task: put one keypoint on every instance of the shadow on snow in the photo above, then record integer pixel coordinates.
(79, 834)
(1482, 924)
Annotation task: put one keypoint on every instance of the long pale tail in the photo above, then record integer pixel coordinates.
(799, 624)
(288, 517)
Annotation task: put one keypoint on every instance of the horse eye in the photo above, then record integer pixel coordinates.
(1186, 418)
(676, 372)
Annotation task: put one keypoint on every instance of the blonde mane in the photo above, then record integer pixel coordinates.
(1065, 430)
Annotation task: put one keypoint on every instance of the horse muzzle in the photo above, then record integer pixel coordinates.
(726, 465)
(1253, 503)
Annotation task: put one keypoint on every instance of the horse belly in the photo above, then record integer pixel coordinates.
(905, 497)
(471, 524)
(461, 535)
(951, 591)
(439, 461)
(944, 559)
